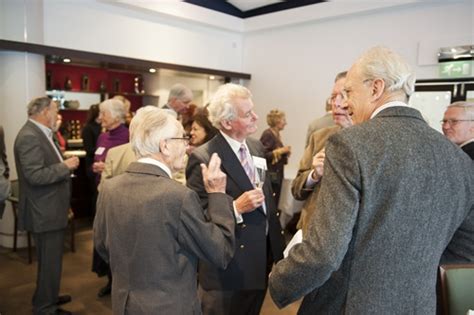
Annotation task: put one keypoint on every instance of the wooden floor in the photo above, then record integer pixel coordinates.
(17, 282)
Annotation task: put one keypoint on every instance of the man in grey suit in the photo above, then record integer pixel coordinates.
(386, 211)
(179, 99)
(239, 289)
(4, 172)
(44, 179)
(154, 231)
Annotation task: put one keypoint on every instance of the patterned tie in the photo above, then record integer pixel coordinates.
(247, 163)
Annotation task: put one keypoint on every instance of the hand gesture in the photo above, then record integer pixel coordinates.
(214, 179)
(98, 167)
(249, 200)
(72, 163)
(318, 165)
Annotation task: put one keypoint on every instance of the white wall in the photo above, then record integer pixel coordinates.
(293, 68)
(105, 28)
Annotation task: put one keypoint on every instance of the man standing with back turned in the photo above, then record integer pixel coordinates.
(45, 192)
(385, 212)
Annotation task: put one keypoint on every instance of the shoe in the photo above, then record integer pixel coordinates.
(105, 290)
(61, 311)
(63, 299)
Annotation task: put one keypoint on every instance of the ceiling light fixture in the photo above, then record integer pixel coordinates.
(211, 77)
(66, 60)
(152, 70)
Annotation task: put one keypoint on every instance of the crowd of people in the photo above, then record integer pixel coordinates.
(186, 216)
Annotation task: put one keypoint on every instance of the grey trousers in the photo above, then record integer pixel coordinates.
(49, 250)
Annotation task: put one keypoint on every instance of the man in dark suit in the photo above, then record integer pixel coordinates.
(44, 179)
(241, 287)
(385, 212)
(458, 125)
(167, 231)
(4, 174)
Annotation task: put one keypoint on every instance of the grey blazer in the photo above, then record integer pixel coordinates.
(44, 180)
(152, 230)
(393, 194)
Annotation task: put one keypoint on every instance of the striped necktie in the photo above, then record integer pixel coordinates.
(247, 163)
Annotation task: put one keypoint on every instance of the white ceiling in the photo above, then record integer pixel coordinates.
(246, 5)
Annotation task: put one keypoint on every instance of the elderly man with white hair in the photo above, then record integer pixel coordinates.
(153, 230)
(458, 125)
(385, 212)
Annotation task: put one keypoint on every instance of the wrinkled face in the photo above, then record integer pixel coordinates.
(358, 96)
(177, 146)
(246, 121)
(198, 134)
(281, 123)
(456, 125)
(340, 110)
(181, 104)
(51, 115)
(106, 119)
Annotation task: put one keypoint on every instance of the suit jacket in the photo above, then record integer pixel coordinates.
(316, 144)
(247, 270)
(402, 190)
(4, 182)
(44, 182)
(317, 124)
(469, 149)
(153, 234)
(117, 161)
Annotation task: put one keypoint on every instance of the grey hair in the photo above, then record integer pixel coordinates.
(115, 107)
(150, 126)
(221, 106)
(468, 108)
(36, 105)
(383, 63)
(178, 91)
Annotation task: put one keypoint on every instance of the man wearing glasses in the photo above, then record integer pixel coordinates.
(458, 125)
(395, 200)
(152, 229)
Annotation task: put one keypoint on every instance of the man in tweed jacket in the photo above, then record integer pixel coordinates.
(386, 210)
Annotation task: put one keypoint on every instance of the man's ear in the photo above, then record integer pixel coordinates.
(164, 149)
(226, 124)
(378, 87)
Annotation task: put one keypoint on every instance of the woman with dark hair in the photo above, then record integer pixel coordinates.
(90, 133)
(275, 152)
(201, 131)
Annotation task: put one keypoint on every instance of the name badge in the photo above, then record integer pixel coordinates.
(259, 162)
(99, 151)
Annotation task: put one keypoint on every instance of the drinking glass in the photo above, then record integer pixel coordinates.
(259, 177)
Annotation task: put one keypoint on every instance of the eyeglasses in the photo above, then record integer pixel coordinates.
(186, 139)
(453, 122)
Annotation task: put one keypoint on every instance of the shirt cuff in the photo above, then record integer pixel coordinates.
(238, 217)
(310, 182)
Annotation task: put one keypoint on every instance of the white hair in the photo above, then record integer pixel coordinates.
(468, 108)
(115, 107)
(383, 63)
(179, 91)
(149, 126)
(221, 106)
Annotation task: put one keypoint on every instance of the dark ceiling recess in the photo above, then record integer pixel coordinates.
(227, 8)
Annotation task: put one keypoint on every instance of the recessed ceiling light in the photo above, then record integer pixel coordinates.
(66, 60)
(152, 70)
(211, 77)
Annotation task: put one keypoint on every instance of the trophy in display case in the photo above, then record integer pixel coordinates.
(85, 83)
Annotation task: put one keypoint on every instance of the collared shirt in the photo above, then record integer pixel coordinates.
(148, 160)
(467, 142)
(388, 105)
(49, 135)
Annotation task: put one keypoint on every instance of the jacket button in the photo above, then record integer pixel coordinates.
(242, 246)
(243, 226)
(282, 232)
(278, 214)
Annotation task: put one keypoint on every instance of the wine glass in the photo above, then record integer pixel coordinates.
(259, 177)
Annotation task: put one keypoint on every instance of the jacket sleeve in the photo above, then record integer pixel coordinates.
(311, 263)
(100, 227)
(461, 247)
(4, 183)
(31, 156)
(214, 240)
(306, 165)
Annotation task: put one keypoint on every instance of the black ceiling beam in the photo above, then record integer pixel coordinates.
(219, 6)
(111, 59)
(280, 6)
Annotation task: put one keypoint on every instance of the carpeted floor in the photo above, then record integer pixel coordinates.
(17, 281)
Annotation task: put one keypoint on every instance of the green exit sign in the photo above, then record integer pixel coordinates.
(456, 69)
